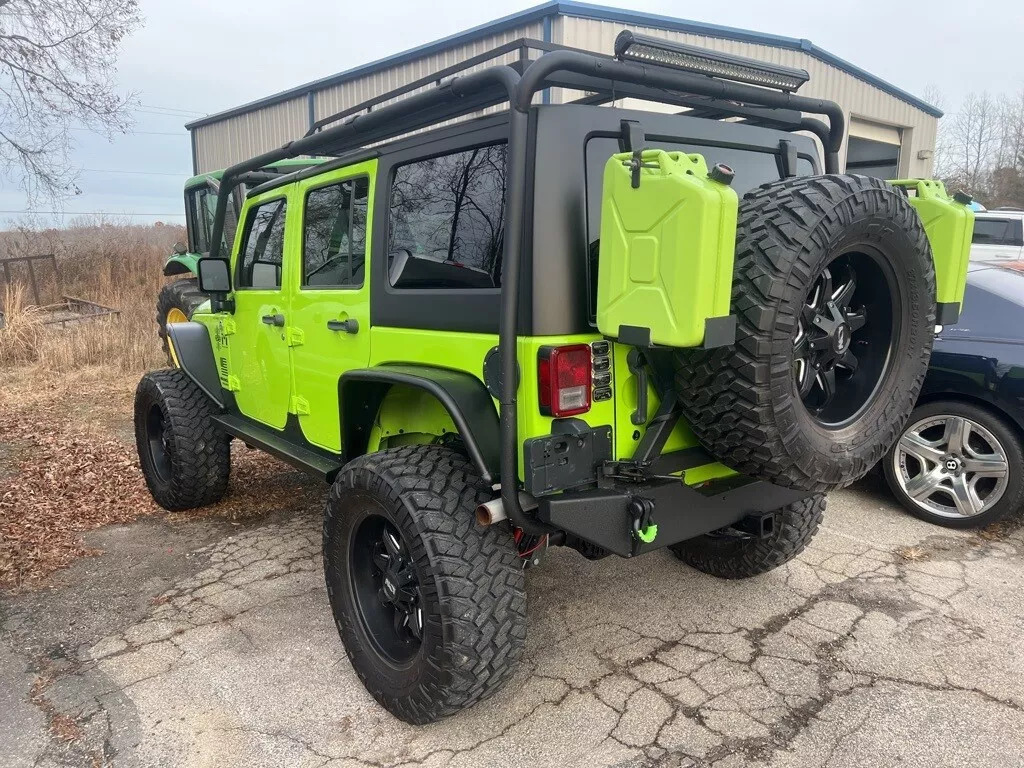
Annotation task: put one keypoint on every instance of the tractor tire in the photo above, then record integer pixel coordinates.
(729, 554)
(185, 456)
(431, 607)
(175, 304)
(834, 293)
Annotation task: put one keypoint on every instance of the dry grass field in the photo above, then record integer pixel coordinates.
(67, 457)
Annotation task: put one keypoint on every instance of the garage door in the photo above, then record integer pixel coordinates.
(873, 149)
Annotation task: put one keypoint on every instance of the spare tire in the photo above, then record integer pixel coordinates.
(834, 293)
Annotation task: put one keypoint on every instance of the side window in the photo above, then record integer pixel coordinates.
(334, 235)
(446, 220)
(263, 246)
(992, 231)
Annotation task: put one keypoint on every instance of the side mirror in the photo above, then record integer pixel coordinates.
(214, 276)
(180, 249)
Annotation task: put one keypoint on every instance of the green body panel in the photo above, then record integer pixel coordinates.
(259, 353)
(667, 248)
(277, 371)
(627, 435)
(950, 227)
(319, 355)
(409, 415)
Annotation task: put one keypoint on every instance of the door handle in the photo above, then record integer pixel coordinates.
(277, 320)
(348, 326)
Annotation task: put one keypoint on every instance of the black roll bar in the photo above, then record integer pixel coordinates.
(540, 71)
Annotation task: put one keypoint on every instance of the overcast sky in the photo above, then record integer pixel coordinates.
(196, 57)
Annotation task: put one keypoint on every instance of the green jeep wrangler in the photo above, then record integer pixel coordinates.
(574, 325)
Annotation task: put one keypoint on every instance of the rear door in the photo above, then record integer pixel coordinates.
(259, 347)
(330, 304)
(997, 238)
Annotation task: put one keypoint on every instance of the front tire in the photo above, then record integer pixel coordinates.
(431, 607)
(185, 456)
(983, 481)
(729, 554)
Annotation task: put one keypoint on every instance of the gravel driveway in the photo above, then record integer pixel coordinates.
(200, 643)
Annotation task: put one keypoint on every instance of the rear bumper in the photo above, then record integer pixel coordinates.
(602, 516)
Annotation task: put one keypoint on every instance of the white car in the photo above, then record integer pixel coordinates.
(998, 236)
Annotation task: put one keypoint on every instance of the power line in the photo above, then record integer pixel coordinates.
(181, 134)
(135, 173)
(172, 109)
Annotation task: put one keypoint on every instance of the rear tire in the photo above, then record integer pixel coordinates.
(729, 554)
(450, 628)
(175, 304)
(834, 291)
(185, 456)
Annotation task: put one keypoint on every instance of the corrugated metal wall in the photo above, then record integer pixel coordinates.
(858, 98)
(237, 138)
(234, 139)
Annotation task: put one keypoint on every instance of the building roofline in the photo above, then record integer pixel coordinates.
(583, 11)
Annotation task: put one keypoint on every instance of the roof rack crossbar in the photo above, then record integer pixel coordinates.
(522, 45)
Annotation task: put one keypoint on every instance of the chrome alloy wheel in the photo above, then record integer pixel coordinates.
(951, 466)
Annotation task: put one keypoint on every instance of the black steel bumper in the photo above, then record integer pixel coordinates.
(603, 516)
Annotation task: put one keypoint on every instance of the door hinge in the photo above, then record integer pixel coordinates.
(296, 337)
(300, 406)
(233, 383)
(229, 326)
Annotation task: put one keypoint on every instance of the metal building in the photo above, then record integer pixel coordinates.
(891, 133)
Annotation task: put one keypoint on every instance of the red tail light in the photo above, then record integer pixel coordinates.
(563, 377)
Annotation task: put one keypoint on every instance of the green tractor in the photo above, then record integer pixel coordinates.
(179, 298)
(554, 325)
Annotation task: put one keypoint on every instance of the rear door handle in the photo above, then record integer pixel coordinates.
(277, 320)
(348, 326)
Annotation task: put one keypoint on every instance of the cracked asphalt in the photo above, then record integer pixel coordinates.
(887, 643)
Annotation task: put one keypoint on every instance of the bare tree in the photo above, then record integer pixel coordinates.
(57, 68)
(973, 136)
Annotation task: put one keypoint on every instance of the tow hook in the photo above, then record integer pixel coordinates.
(641, 512)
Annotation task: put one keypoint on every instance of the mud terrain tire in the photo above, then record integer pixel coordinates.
(466, 580)
(729, 554)
(185, 456)
(797, 241)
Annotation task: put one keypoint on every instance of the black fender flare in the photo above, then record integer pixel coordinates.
(464, 397)
(193, 353)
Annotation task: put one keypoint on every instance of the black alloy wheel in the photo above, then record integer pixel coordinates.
(387, 589)
(845, 335)
(158, 440)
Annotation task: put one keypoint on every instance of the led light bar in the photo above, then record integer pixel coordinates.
(655, 50)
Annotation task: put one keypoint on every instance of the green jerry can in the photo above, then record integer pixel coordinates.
(668, 237)
(949, 224)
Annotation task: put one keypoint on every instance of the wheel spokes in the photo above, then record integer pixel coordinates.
(986, 465)
(921, 449)
(844, 293)
(957, 432)
(925, 484)
(964, 496)
(848, 361)
(827, 382)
